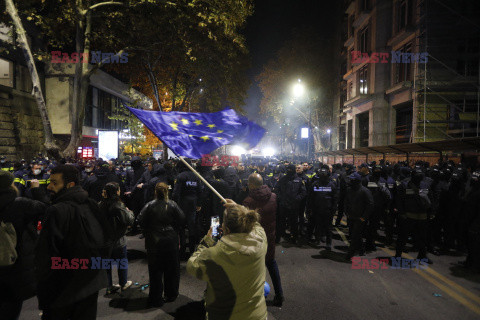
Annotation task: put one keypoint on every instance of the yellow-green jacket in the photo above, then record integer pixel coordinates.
(234, 270)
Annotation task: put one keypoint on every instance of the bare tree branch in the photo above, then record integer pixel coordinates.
(101, 4)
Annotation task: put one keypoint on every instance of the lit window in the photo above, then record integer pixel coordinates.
(363, 80)
(6, 73)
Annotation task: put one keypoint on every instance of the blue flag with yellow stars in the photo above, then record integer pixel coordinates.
(194, 134)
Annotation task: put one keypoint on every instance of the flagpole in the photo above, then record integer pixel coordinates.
(201, 178)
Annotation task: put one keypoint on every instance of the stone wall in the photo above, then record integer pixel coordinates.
(21, 130)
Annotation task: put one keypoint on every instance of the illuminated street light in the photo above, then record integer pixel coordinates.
(304, 134)
(238, 151)
(298, 89)
(268, 152)
(328, 131)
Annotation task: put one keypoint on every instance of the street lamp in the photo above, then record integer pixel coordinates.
(330, 138)
(298, 89)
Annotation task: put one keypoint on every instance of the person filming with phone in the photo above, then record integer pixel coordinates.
(233, 266)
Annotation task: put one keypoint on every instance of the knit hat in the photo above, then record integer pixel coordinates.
(6, 180)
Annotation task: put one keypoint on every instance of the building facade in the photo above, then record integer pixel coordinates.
(21, 130)
(409, 72)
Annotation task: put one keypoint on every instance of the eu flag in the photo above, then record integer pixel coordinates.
(194, 134)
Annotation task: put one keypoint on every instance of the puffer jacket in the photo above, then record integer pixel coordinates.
(266, 202)
(234, 269)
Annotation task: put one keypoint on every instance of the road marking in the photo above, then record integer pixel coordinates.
(449, 291)
(344, 238)
(444, 287)
(449, 282)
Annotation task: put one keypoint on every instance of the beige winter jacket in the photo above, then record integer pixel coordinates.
(234, 270)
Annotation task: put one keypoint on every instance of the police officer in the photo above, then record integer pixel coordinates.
(18, 181)
(381, 200)
(413, 205)
(301, 210)
(36, 173)
(187, 194)
(87, 172)
(343, 183)
(5, 165)
(455, 195)
(390, 216)
(322, 203)
(472, 210)
(291, 191)
(358, 208)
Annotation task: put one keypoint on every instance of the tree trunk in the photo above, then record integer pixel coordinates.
(51, 147)
(153, 82)
(80, 83)
(165, 152)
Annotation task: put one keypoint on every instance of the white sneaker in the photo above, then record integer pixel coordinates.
(113, 289)
(127, 285)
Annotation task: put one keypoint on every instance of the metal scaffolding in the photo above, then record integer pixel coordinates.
(442, 96)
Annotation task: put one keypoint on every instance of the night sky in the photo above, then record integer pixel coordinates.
(272, 24)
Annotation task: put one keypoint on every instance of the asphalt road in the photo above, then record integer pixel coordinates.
(317, 285)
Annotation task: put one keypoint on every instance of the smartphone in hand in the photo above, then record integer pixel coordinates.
(215, 225)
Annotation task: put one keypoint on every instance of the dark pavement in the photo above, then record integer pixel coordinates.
(317, 285)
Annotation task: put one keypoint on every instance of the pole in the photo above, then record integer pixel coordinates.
(309, 132)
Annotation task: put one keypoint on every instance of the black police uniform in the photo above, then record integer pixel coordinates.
(187, 193)
(413, 206)
(381, 199)
(322, 202)
(358, 207)
(291, 191)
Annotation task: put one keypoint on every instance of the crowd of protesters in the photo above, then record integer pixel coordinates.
(71, 210)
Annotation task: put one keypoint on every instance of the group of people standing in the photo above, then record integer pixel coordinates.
(79, 210)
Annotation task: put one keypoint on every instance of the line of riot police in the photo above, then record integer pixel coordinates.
(437, 207)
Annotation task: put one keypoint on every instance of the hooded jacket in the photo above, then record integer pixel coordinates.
(95, 184)
(266, 202)
(71, 230)
(157, 175)
(234, 269)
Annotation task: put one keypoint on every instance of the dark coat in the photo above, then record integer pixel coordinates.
(217, 207)
(188, 191)
(95, 184)
(161, 222)
(72, 229)
(157, 175)
(116, 211)
(359, 203)
(322, 197)
(19, 279)
(266, 202)
(291, 191)
(132, 178)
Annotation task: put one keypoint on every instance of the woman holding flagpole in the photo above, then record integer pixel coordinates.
(233, 267)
